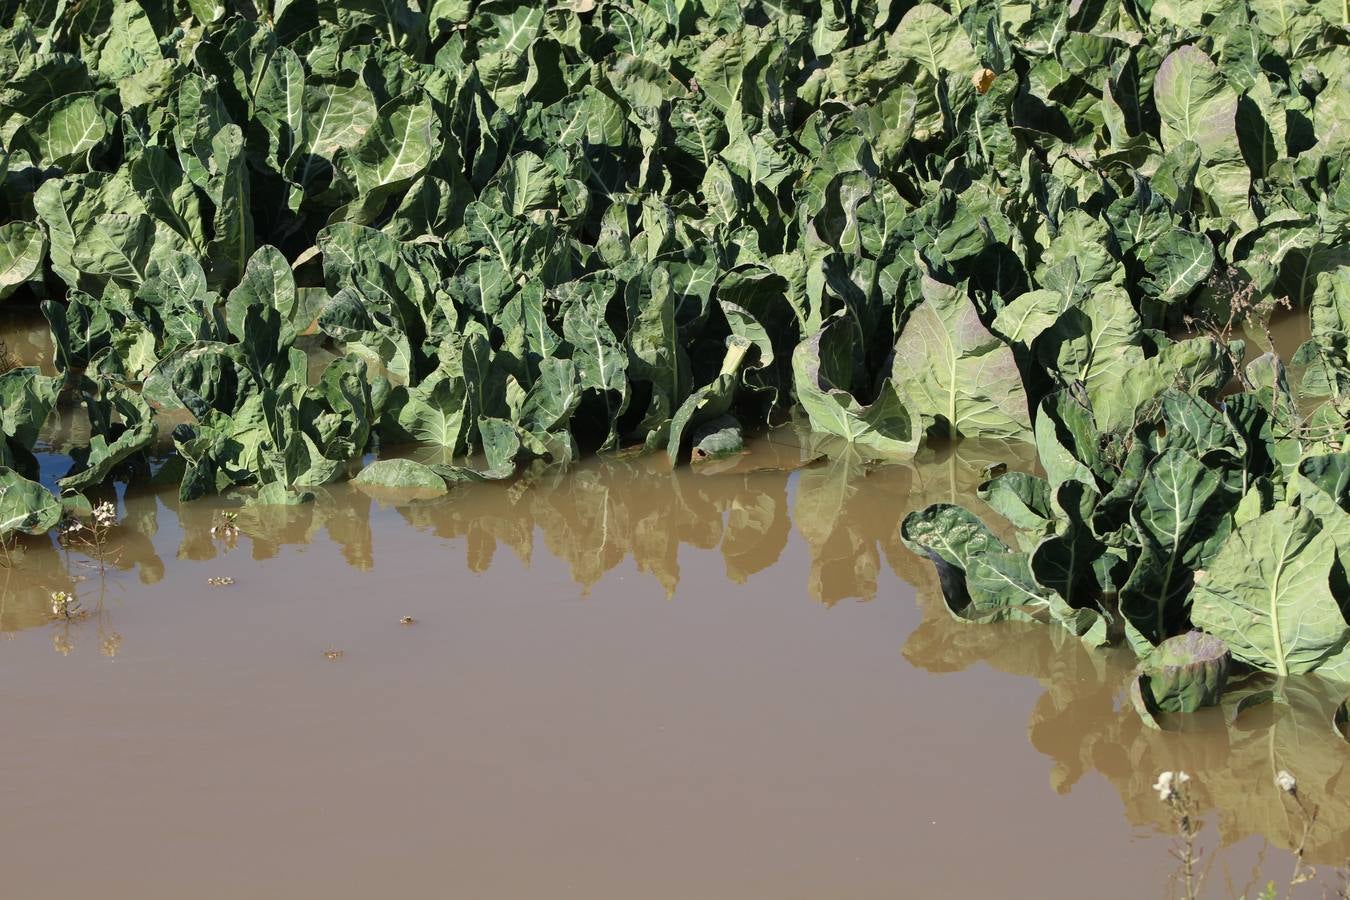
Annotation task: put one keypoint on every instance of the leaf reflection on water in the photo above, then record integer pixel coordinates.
(1085, 723)
(846, 510)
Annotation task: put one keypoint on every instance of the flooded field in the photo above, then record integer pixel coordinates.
(708, 450)
(615, 682)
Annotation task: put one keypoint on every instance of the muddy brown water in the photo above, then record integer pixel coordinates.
(621, 682)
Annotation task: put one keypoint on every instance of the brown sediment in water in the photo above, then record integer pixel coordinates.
(624, 681)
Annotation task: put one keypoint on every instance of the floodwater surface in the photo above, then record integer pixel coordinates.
(617, 682)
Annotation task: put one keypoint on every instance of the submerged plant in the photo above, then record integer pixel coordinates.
(67, 607)
(226, 526)
(1173, 791)
(92, 536)
(1307, 821)
(1173, 788)
(1183, 674)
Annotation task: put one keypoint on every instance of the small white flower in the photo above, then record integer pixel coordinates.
(1286, 782)
(1168, 784)
(105, 514)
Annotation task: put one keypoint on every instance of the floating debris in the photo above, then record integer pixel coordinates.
(332, 653)
(220, 581)
(407, 620)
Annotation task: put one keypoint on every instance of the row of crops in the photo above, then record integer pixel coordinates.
(534, 231)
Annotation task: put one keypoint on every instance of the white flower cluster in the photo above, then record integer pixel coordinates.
(1169, 783)
(65, 605)
(105, 514)
(225, 526)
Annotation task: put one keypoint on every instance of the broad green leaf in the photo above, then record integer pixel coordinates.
(1067, 440)
(718, 438)
(553, 398)
(434, 411)
(1267, 593)
(1022, 499)
(601, 360)
(950, 532)
(1193, 425)
(720, 70)
(267, 282)
(653, 350)
(280, 108)
(396, 149)
(401, 477)
(822, 367)
(335, 118)
(1000, 581)
(233, 224)
(932, 37)
(27, 398)
(96, 229)
(1195, 103)
(65, 132)
(168, 194)
(723, 193)
(1098, 344)
(41, 77)
(113, 442)
(25, 506)
(528, 184)
(980, 577)
(1329, 317)
(200, 117)
(1023, 320)
(1063, 562)
(952, 370)
(22, 248)
(1323, 484)
(1176, 264)
(132, 43)
(1181, 517)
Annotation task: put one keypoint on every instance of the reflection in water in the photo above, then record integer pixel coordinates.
(847, 512)
(27, 340)
(1085, 723)
(593, 517)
